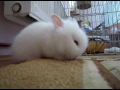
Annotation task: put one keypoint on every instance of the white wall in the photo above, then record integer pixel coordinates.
(45, 6)
(8, 30)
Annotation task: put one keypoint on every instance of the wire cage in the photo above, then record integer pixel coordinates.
(100, 20)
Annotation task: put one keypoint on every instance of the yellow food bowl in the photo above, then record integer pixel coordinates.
(96, 46)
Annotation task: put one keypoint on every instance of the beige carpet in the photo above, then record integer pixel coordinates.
(50, 74)
(89, 72)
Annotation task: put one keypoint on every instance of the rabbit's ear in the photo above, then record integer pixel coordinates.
(57, 21)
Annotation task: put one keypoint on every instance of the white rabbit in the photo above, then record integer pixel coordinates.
(62, 40)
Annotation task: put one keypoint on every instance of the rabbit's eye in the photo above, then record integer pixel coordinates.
(76, 42)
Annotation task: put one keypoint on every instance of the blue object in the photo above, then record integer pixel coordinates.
(87, 27)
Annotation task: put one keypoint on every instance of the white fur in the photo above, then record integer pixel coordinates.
(45, 39)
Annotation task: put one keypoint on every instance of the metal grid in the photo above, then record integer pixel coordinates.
(101, 22)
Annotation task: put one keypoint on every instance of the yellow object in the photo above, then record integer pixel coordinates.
(95, 46)
(91, 47)
(103, 47)
(99, 46)
(85, 22)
